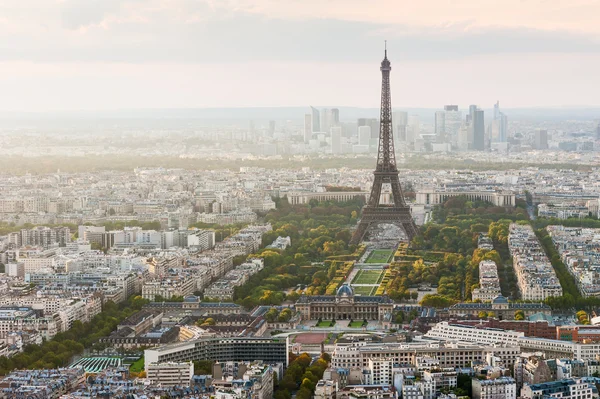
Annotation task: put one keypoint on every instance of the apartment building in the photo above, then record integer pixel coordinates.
(498, 388)
(450, 332)
(579, 249)
(14, 318)
(269, 350)
(170, 373)
(574, 388)
(535, 275)
(489, 283)
(550, 347)
(175, 286)
(448, 354)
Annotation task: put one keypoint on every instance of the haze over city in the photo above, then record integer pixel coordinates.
(112, 54)
(234, 199)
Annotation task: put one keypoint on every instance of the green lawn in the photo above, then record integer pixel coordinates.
(325, 323)
(366, 291)
(368, 277)
(137, 366)
(380, 256)
(356, 324)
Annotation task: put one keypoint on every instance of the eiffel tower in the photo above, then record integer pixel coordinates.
(386, 172)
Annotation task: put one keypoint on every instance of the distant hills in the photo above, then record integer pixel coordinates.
(259, 114)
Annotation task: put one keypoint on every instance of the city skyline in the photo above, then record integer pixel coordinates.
(102, 55)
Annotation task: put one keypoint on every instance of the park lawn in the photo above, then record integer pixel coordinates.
(380, 256)
(137, 366)
(356, 324)
(325, 323)
(366, 291)
(368, 277)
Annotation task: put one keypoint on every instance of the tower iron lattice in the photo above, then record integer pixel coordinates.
(386, 172)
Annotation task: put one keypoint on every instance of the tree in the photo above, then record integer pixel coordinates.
(482, 314)
(519, 315)
(285, 315)
(582, 316)
(414, 295)
(436, 301)
(271, 315)
(399, 318)
(292, 296)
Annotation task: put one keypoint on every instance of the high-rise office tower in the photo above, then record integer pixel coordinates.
(440, 127)
(335, 117)
(271, 128)
(541, 139)
(325, 120)
(316, 119)
(400, 119)
(452, 123)
(477, 124)
(472, 109)
(413, 130)
(598, 131)
(336, 140)
(364, 135)
(462, 138)
(373, 123)
(499, 125)
(349, 129)
(329, 118)
(307, 127)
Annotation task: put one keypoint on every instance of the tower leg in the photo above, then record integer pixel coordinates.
(360, 232)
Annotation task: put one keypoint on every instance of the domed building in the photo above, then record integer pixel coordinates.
(345, 291)
(345, 305)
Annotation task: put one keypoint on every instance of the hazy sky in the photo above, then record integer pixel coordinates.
(110, 54)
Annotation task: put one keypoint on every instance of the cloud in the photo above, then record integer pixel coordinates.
(157, 49)
(77, 14)
(199, 32)
(572, 15)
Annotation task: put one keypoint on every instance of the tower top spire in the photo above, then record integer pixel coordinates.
(385, 64)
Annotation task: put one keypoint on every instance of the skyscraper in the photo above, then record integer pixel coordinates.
(440, 126)
(477, 124)
(463, 137)
(325, 120)
(364, 135)
(499, 125)
(400, 119)
(373, 123)
(316, 120)
(413, 130)
(336, 140)
(472, 109)
(271, 128)
(541, 139)
(335, 117)
(452, 123)
(598, 131)
(307, 127)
